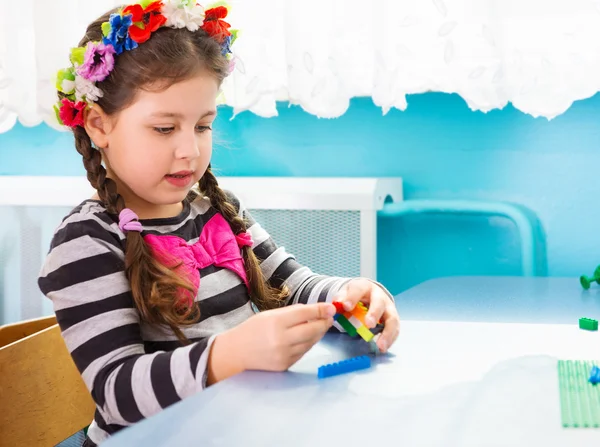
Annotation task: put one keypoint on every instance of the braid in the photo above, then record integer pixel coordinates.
(155, 288)
(262, 294)
(96, 173)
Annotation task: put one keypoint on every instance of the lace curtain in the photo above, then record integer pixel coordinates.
(540, 55)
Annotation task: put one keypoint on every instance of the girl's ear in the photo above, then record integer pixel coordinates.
(97, 126)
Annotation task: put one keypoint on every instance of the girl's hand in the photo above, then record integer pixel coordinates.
(272, 340)
(381, 307)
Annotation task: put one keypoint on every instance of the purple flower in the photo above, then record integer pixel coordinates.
(98, 62)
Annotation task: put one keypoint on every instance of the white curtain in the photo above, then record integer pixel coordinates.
(540, 55)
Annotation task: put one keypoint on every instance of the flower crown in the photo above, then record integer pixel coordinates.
(125, 30)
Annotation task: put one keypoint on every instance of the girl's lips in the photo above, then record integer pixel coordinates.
(180, 179)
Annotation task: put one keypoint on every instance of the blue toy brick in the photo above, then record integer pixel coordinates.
(345, 366)
(594, 375)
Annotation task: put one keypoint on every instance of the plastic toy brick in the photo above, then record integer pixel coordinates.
(579, 399)
(343, 321)
(345, 366)
(362, 307)
(356, 319)
(594, 375)
(339, 307)
(365, 333)
(588, 324)
(359, 312)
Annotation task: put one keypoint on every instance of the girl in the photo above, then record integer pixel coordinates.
(155, 279)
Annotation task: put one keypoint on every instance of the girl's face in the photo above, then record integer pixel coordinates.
(157, 148)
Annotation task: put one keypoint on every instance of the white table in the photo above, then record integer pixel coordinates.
(444, 384)
(475, 366)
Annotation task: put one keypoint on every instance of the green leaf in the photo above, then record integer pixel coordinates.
(57, 113)
(106, 29)
(145, 3)
(234, 35)
(77, 55)
(65, 74)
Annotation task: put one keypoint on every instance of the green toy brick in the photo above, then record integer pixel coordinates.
(588, 324)
(348, 327)
(579, 399)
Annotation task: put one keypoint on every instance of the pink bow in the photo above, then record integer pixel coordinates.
(217, 246)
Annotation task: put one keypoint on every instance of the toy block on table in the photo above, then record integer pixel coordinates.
(594, 375)
(588, 324)
(345, 366)
(579, 399)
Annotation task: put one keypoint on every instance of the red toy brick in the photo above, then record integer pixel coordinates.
(339, 307)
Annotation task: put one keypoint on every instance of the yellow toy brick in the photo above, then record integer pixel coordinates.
(365, 333)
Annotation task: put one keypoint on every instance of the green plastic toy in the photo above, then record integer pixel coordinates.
(588, 324)
(586, 281)
(579, 399)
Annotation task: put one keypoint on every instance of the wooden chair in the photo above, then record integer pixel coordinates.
(43, 399)
(12, 332)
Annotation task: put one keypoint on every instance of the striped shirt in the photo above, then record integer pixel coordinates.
(133, 369)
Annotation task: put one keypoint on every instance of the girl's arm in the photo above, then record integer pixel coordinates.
(84, 277)
(279, 266)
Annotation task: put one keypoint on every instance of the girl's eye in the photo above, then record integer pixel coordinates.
(168, 130)
(164, 130)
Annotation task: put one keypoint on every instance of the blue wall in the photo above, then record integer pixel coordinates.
(440, 148)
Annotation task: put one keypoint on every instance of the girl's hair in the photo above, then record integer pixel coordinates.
(169, 56)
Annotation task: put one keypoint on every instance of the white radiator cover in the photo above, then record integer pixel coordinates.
(328, 224)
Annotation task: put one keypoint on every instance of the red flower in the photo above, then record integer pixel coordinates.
(71, 113)
(150, 18)
(213, 25)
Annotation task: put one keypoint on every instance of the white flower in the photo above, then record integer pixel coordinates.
(183, 14)
(87, 89)
(67, 86)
